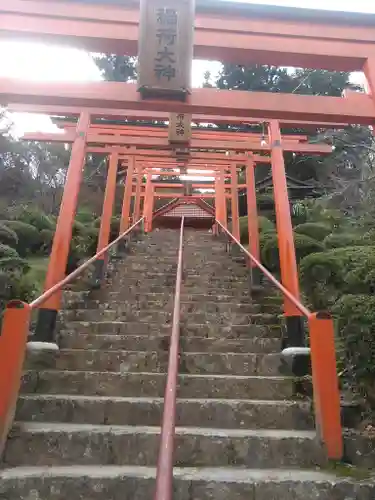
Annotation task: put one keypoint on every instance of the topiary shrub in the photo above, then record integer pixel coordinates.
(7, 251)
(355, 320)
(29, 239)
(85, 216)
(47, 239)
(265, 225)
(317, 231)
(304, 245)
(37, 218)
(328, 275)
(338, 240)
(8, 236)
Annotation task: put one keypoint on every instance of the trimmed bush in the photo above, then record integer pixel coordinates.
(85, 215)
(29, 238)
(7, 251)
(355, 320)
(265, 225)
(304, 246)
(8, 236)
(14, 265)
(47, 239)
(38, 219)
(328, 275)
(317, 231)
(339, 240)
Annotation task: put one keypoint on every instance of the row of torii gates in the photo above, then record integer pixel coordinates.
(166, 34)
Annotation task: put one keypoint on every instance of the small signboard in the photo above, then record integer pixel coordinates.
(165, 52)
(179, 128)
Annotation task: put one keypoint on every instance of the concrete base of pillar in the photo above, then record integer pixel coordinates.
(295, 332)
(45, 326)
(98, 274)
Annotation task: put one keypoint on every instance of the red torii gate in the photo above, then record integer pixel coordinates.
(224, 31)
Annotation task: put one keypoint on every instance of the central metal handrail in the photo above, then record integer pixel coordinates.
(164, 473)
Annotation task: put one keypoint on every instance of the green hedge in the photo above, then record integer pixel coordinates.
(38, 219)
(29, 239)
(355, 320)
(328, 275)
(344, 240)
(304, 246)
(265, 225)
(317, 231)
(8, 236)
(7, 251)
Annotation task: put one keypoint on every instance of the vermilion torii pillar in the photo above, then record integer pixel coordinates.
(288, 261)
(252, 221)
(138, 189)
(235, 211)
(105, 225)
(148, 202)
(61, 242)
(128, 192)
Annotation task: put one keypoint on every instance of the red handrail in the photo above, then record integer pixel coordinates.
(323, 365)
(164, 473)
(68, 279)
(269, 276)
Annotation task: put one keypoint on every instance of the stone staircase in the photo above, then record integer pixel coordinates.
(88, 421)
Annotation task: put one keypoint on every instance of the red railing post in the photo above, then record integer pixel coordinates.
(105, 225)
(14, 332)
(63, 234)
(164, 473)
(325, 383)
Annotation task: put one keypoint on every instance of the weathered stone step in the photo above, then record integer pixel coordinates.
(228, 414)
(161, 316)
(153, 385)
(138, 483)
(187, 329)
(161, 343)
(157, 362)
(34, 443)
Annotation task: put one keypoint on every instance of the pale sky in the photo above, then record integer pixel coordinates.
(34, 61)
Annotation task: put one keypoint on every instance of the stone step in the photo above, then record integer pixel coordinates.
(143, 303)
(138, 483)
(161, 343)
(228, 414)
(187, 329)
(42, 443)
(160, 316)
(157, 362)
(153, 385)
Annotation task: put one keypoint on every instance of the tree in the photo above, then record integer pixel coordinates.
(117, 68)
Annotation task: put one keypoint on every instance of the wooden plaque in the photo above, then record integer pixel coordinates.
(165, 52)
(179, 130)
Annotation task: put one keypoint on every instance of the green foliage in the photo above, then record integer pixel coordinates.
(316, 230)
(328, 275)
(8, 236)
(265, 225)
(343, 240)
(85, 215)
(28, 236)
(304, 246)
(7, 251)
(355, 320)
(37, 218)
(46, 237)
